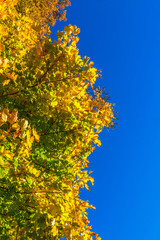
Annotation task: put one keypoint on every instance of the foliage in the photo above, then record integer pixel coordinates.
(50, 118)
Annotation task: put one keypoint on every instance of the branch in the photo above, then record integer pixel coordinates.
(38, 191)
(40, 81)
(69, 130)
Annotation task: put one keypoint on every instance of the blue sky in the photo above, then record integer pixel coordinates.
(123, 39)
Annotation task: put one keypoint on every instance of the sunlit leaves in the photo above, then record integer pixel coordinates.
(50, 117)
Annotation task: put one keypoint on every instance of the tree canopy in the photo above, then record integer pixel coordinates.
(51, 115)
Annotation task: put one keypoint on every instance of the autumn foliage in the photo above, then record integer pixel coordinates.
(50, 118)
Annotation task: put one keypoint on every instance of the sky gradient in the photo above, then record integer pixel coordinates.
(123, 39)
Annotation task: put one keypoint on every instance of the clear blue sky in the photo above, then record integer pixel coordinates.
(122, 37)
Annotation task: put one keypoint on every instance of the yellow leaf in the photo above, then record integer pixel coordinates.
(86, 186)
(4, 117)
(24, 124)
(16, 126)
(54, 231)
(29, 139)
(1, 161)
(2, 149)
(1, 47)
(35, 135)
(76, 31)
(12, 117)
(6, 82)
(91, 64)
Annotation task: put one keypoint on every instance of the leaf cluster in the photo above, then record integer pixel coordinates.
(50, 119)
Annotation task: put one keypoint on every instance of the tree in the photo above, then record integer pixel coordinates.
(51, 115)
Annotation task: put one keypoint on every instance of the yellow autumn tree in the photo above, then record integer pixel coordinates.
(50, 119)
